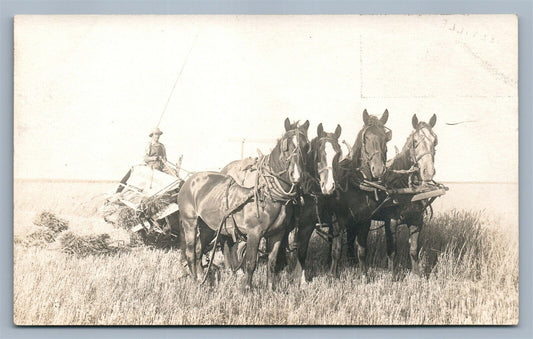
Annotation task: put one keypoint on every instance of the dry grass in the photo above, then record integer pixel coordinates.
(471, 278)
(464, 286)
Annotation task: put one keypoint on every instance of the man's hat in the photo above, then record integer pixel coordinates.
(155, 131)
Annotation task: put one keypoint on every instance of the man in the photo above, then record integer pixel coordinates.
(156, 155)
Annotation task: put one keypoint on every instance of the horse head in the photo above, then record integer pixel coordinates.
(293, 146)
(325, 152)
(371, 145)
(422, 144)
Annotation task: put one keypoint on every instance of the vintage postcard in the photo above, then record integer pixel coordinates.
(266, 170)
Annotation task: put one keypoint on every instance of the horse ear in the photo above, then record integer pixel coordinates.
(306, 125)
(338, 131)
(414, 121)
(287, 124)
(433, 121)
(320, 130)
(384, 117)
(365, 117)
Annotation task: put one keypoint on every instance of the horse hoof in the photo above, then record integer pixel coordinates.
(246, 287)
(303, 281)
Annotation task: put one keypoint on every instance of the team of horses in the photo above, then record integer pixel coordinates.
(300, 184)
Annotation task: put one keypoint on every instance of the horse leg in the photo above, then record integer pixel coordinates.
(391, 227)
(181, 243)
(288, 255)
(250, 257)
(336, 247)
(229, 249)
(275, 242)
(414, 232)
(350, 237)
(361, 230)
(330, 246)
(282, 258)
(190, 228)
(304, 235)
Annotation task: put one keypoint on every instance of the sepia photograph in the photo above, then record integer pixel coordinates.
(265, 170)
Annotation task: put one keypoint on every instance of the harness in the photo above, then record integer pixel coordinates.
(271, 181)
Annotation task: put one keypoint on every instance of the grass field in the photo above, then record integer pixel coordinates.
(470, 259)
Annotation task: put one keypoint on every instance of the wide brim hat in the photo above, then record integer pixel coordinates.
(155, 131)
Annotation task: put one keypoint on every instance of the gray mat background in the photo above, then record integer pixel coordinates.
(8, 9)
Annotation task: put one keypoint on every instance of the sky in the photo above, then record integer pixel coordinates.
(88, 89)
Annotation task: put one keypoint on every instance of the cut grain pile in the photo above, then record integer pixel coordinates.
(49, 220)
(42, 235)
(49, 227)
(85, 245)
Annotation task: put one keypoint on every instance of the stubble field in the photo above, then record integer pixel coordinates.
(470, 259)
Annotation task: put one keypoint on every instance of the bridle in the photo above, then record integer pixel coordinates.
(335, 144)
(413, 147)
(285, 156)
(366, 158)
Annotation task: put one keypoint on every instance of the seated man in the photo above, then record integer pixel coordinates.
(156, 155)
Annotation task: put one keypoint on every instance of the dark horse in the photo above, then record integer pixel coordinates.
(357, 201)
(208, 198)
(414, 165)
(318, 188)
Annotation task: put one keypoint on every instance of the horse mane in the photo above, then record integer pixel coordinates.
(311, 156)
(402, 160)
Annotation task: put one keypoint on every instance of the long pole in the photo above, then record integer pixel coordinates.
(178, 77)
(252, 140)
